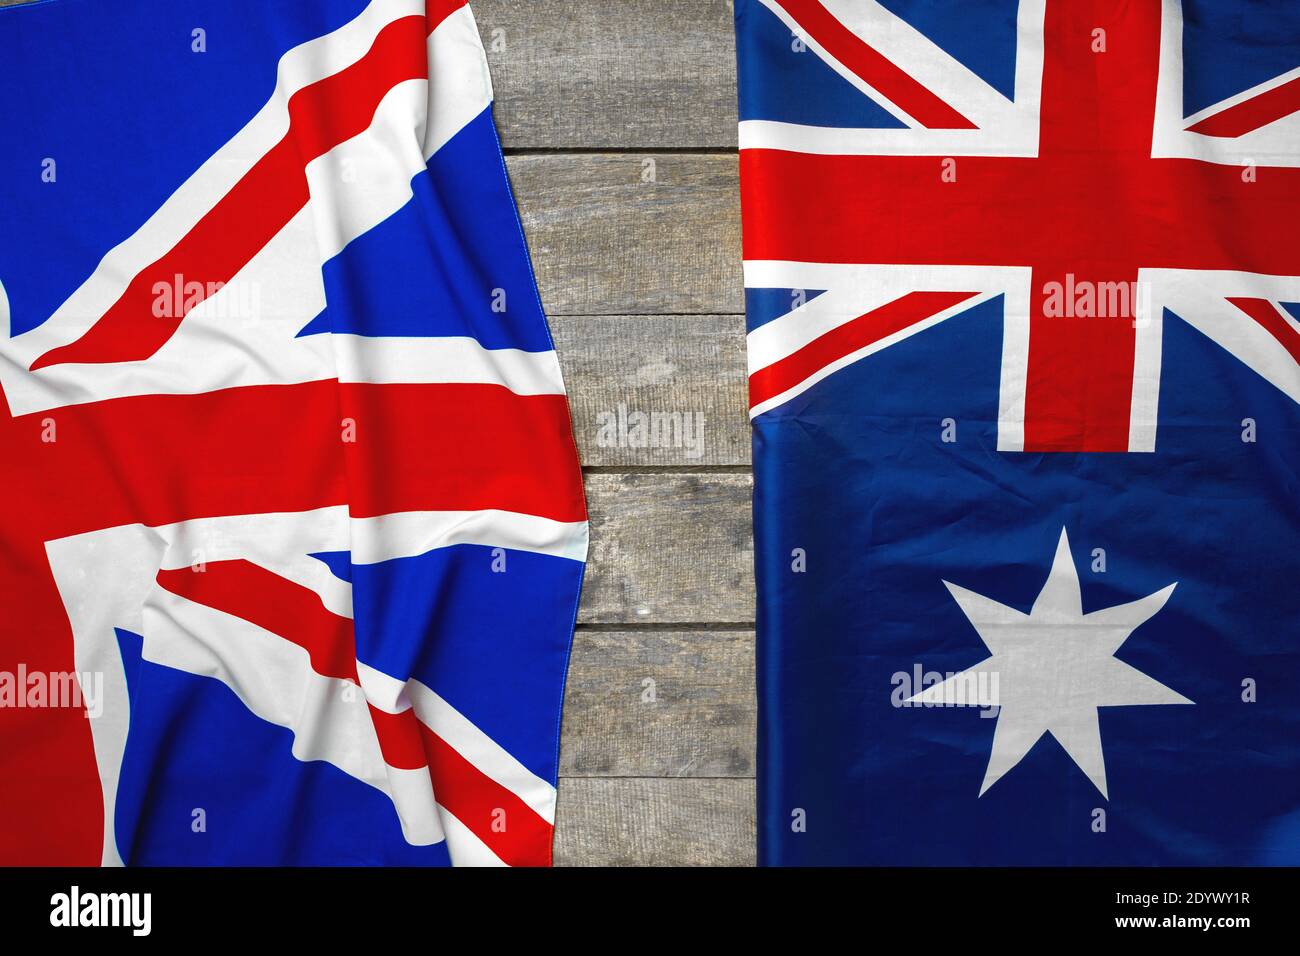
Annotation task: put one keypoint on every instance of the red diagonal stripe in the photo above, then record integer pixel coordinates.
(880, 73)
(296, 614)
(240, 451)
(511, 828)
(275, 604)
(159, 459)
(875, 325)
(1267, 315)
(321, 116)
(503, 821)
(439, 10)
(1251, 114)
(400, 738)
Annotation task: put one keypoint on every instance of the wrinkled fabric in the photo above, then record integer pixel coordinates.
(1024, 322)
(294, 528)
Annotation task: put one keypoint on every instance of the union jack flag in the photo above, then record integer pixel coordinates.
(1093, 135)
(983, 243)
(290, 482)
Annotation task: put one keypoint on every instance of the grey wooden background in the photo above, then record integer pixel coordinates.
(618, 118)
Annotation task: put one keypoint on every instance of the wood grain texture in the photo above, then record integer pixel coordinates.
(609, 74)
(655, 822)
(656, 390)
(605, 241)
(637, 252)
(578, 74)
(653, 703)
(669, 548)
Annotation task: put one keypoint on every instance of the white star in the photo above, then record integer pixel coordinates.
(1051, 669)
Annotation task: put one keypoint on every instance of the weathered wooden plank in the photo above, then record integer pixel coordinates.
(578, 74)
(655, 822)
(611, 73)
(649, 234)
(656, 390)
(651, 703)
(669, 548)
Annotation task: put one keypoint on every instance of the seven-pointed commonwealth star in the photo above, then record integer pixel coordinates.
(1051, 669)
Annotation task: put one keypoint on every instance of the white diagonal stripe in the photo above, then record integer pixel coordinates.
(258, 315)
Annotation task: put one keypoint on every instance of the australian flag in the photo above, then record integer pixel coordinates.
(293, 527)
(1023, 295)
